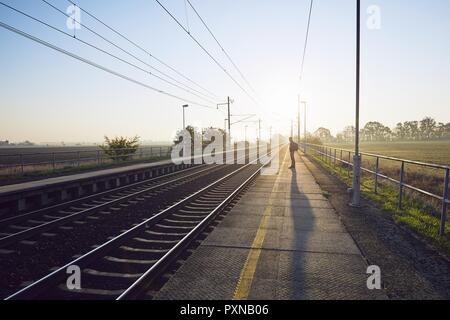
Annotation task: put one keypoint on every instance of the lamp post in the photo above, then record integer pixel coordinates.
(184, 116)
(304, 126)
(356, 192)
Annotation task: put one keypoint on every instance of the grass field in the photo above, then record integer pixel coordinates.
(425, 178)
(437, 152)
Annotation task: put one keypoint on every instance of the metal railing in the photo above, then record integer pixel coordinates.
(19, 163)
(343, 158)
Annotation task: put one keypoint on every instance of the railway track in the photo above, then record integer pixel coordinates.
(124, 266)
(59, 241)
(17, 228)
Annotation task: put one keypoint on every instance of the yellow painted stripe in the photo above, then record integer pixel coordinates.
(248, 272)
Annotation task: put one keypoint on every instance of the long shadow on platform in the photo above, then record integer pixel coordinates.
(303, 222)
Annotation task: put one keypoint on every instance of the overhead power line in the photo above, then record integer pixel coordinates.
(221, 47)
(306, 40)
(206, 51)
(101, 50)
(127, 52)
(141, 48)
(96, 65)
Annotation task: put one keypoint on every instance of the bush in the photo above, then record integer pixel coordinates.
(120, 148)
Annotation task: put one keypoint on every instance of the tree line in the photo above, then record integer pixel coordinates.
(424, 130)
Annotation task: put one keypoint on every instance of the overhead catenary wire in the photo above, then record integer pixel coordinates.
(206, 51)
(243, 120)
(96, 65)
(101, 50)
(127, 52)
(220, 45)
(141, 48)
(306, 40)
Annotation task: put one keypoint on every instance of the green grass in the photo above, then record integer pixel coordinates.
(437, 152)
(415, 215)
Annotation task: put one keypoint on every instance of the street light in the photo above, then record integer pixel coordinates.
(356, 192)
(184, 116)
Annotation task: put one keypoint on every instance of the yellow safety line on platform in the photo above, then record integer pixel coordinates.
(248, 272)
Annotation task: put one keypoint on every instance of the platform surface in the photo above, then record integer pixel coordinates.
(282, 241)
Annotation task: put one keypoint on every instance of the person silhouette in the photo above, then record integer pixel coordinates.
(293, 148)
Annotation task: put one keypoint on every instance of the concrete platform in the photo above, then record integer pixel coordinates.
(35, 194)
(282, 241)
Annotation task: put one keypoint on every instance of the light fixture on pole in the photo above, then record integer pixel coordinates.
(356, 190)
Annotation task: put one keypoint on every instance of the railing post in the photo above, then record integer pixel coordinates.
(341, 163)
(377, 170)
(402, 176)
(53, 161)
(348, 164)
(98, 157)
(160, 152)
(335, 158)
(22, 168)
(78, 157)
(444, 204)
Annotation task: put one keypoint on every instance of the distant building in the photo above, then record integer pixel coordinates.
(4, 143)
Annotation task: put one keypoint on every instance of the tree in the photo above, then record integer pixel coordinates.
(323, 134)
(400, 131)
(412, 130)
(217, 131)
(193, 132)
(120, 148)
(428, 128)
(349, 134)
(375, 131)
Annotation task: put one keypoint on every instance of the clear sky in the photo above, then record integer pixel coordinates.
(48, 97)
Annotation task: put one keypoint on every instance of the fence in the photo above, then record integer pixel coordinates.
(439, 176)
(20, 163)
